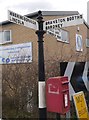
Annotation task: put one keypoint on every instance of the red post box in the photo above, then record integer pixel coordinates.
(57, 95)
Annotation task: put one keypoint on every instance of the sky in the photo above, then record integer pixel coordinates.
(24, 7)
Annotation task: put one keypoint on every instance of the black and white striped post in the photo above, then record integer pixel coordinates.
(41, 70)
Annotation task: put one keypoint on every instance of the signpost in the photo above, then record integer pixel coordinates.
(80, 105)
(41, 74)
(37, 25)
(40, 26)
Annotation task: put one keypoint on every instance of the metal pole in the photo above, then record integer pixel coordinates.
(41, 70)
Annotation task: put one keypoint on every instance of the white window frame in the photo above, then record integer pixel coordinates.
(61, 38)
(57, 33)
(79, 43)
(3, 37)
(87, 42)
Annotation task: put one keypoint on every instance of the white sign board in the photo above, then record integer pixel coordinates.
(54, 32)
(63, 22)
(22, 20)
(19, 53)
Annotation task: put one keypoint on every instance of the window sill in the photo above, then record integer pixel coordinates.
(9, 42)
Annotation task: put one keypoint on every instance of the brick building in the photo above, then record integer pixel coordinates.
(19, 34)
(56, 50)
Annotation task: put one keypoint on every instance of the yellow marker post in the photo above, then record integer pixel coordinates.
(80, 105)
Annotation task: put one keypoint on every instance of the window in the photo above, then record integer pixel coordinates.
(64, 36)
(60, 34)
(1, 37)
(87, 42)
(5, 36)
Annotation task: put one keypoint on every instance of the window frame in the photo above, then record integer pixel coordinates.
(3, 37)
(79, 43)
(87, 39)
(61, 39)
